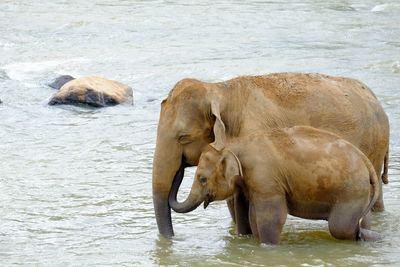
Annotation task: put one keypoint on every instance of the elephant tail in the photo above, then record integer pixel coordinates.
(374, 181)
(384, 176)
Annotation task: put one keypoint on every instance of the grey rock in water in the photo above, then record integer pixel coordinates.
(93, 91)
(58, 82)
(3, 75)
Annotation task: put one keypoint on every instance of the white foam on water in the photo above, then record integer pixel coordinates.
(6, 46)
(379, 8)
(23, 71)
(396, 67)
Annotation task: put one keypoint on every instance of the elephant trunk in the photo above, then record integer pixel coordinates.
(163, 215)
(166, 168)
(161, 207)
(191, 203)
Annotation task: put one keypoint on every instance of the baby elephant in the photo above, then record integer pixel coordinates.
(303, 171)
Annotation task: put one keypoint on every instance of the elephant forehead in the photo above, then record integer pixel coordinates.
(187, 88)
(210, 156)
(186, 122)
(183, 110)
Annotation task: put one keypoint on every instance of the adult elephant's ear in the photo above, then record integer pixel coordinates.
(219, 127)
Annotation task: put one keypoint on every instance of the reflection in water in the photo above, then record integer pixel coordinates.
(161, 255)
(304, 242)
(309, 246)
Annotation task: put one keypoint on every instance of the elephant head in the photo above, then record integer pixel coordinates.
(216, 177)
(189, 120)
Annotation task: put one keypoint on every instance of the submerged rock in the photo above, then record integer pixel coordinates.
(93, 91)
(3, 75)
(0, 101)
(58, 82)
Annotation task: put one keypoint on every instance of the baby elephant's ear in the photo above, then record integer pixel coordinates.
(230, 165)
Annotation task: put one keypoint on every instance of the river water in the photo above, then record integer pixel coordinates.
(75, 182)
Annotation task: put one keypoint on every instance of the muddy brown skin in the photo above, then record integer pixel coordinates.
(93, 91)
(246, 104)
(302, 171)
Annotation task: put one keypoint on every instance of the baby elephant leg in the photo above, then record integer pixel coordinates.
(366, 221)
(270, 216)
(242, 214)
(252, 220)
(368, 235)
(344, 222)
(365, 233)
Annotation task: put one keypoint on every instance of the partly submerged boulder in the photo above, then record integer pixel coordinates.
(3, 75)
(93, 91)
(58, 82)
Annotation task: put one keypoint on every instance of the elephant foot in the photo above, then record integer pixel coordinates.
(368, 235)
(378, 206)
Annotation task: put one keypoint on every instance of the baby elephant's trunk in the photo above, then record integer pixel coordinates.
(191, 203)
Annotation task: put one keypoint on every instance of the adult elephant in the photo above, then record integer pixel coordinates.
(242, 105)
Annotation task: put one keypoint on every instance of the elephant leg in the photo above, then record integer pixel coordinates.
(366, 221)
(252, 220)
(368, 235)
(241, 205)
(270, 215)
(231, 206)
(379, 205)
(344, 219)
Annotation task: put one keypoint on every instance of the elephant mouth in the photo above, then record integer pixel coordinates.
(209, 198)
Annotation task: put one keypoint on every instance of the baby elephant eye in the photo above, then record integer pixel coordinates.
(202, 179)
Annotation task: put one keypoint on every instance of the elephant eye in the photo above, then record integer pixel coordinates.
(184, 139)
(202, 179)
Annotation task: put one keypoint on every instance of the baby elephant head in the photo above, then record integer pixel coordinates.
(215, 179)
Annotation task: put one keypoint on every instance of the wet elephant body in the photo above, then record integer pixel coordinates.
(197, 113)
(301, 171)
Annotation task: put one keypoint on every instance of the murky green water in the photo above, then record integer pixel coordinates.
(75, 183)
